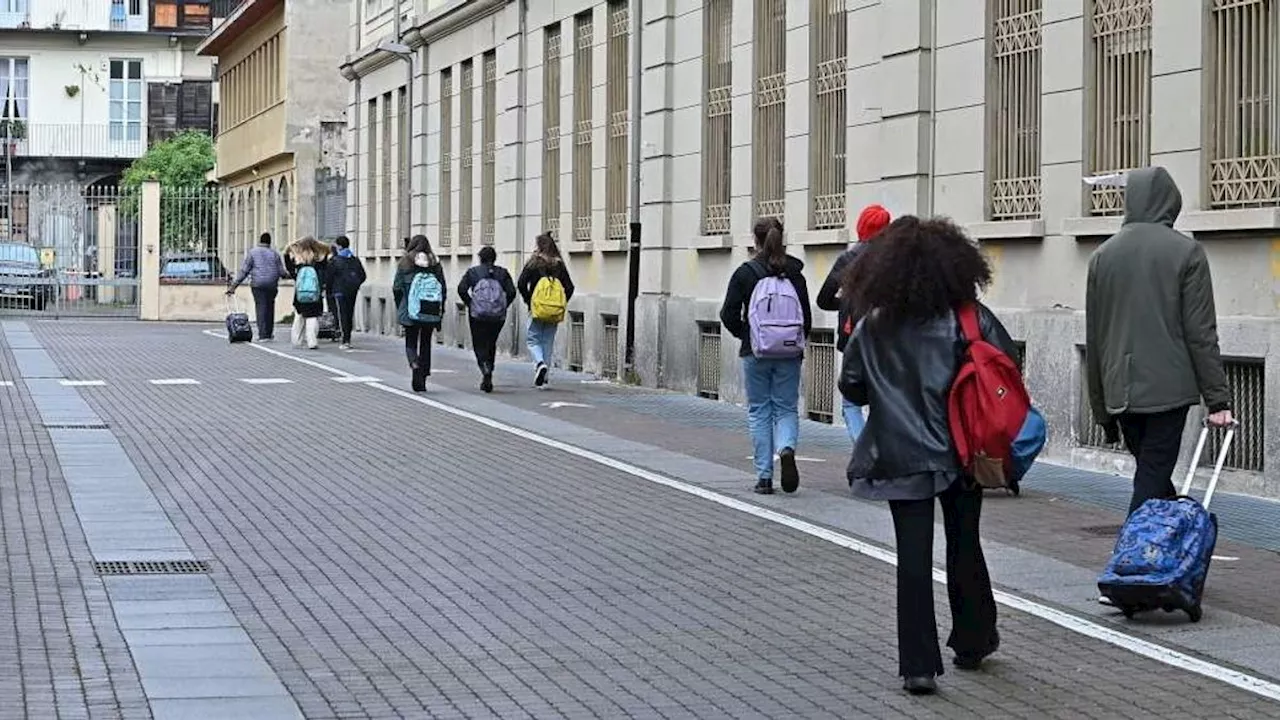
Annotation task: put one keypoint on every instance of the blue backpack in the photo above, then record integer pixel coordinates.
(306, 288)
(424, 303)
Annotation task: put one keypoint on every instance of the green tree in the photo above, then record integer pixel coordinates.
(188, 207)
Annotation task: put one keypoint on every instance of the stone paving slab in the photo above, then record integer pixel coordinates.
(440, 568)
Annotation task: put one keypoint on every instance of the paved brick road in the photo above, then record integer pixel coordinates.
(391, 560)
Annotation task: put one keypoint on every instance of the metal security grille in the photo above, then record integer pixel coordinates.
(445, 198)
(489, 137)
(829, 30)
(768, 152)
(582, 121)
(1088, 432)
(709, 360)
(1244, 168)
(577, 341)
(551, 133)
(717, 123)
(615, 181)
(1014, 107)
(371, 183)
(387, 173)
(609, 346)
(467, 158)
(1246, 379)
(1120, 95)
(820, 376)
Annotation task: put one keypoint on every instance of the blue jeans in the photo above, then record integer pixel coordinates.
(853, 420)
(773, 398)
(541, 341)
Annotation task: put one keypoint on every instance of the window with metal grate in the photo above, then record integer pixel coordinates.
(609, 346)
(820, 376)
(1246, 378)
(709, 360)
(577, 340)
(1088, 432)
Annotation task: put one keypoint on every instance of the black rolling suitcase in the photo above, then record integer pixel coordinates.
(238, 327)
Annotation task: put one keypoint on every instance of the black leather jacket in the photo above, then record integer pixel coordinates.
(904, 374)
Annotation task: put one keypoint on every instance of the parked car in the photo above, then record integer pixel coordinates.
(192, 266)
(22, 278)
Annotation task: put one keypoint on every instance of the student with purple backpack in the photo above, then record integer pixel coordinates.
(767, 307)
(488, 291)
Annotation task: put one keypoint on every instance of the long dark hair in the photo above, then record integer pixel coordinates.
(769, 247)
(916, 270)
(546, 253)
(417, 244)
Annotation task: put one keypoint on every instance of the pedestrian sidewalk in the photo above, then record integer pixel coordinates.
(1049, 543)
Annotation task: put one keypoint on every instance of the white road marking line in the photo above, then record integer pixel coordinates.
(1066, 620)
(563, 404)
(174, 381)
(357, 379)
(6, 383)
(265, 381)
(799, 458)
(1225, 558)
(82, 383)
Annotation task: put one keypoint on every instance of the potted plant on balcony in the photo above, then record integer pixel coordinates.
(12, 130)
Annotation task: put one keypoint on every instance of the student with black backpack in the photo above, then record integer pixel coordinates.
(419, 292)
(343, 278)
(487, 290)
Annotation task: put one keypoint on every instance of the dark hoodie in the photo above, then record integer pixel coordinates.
(733, 314)
(1150, 325)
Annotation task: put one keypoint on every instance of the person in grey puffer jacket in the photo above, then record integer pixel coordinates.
(264, 268)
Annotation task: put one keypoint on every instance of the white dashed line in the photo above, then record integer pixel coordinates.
(6, 383)
(82, 383)
(1066, 620)
(357, 379)
(174, 381)
(265, 381)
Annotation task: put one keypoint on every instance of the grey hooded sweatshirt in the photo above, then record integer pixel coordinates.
(1150, 325)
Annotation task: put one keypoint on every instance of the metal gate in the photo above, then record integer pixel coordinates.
(68, 251)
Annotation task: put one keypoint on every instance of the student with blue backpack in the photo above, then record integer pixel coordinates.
(419, 292)
(306, 261)
(767, 307)
(487, 290)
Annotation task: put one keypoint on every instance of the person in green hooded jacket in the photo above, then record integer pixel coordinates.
(1151, 334)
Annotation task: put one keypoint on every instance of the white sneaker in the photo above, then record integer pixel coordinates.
(1104, 600)
(344, 346)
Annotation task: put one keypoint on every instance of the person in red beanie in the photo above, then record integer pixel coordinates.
(871, 221)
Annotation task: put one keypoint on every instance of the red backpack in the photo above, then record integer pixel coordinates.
(986, 406)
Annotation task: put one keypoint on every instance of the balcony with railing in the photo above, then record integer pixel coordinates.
(184, 17)
(72, 140)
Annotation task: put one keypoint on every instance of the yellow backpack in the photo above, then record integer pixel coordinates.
(549, 301)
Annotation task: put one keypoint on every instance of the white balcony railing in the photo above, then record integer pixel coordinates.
(46, 140)
(99, 15)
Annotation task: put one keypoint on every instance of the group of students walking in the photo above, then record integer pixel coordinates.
(906, 296)
(909, 317)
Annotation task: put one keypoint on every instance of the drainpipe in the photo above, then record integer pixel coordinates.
(633, 255)
(933, 108)
(522, 119)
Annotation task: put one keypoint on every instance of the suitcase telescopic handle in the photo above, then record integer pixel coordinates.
(1217, 465)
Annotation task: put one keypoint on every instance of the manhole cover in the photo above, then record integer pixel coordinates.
(151, 567)
(75, 426)
(1101, 530)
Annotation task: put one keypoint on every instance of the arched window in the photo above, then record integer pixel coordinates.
(233, 249)
(285, 218)
(259, 208)
(270, 220)
(250, 228)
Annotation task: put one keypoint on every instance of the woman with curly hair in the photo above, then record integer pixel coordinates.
(900, 361)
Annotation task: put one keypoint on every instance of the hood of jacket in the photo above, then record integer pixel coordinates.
(1151, 196)
(422, 260)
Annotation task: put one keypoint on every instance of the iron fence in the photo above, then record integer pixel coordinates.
(68, 250)
(189, 239)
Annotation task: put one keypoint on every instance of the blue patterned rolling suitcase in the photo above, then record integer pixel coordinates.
(1161, 558)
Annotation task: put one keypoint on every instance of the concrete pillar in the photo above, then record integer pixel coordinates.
(149, 234)
(107, 252)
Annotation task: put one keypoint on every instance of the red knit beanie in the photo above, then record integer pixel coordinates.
(871, 221)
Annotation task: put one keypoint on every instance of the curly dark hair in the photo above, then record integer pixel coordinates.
(916, 270)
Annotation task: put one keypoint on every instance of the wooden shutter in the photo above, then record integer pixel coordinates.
(162, 111)
(195, 106)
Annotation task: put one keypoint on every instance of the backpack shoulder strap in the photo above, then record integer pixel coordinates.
(758, 268)
(967, 315)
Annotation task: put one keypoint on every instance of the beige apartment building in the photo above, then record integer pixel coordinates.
(989, 111)
(280, 89)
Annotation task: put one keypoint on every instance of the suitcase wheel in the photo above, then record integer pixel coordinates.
(1128, 611)
(1195, 613)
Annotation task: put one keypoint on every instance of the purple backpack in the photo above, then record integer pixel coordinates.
(775, 317)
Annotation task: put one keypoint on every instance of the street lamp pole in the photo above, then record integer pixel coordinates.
(633, 257)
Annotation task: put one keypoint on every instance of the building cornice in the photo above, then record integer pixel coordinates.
(439, 23)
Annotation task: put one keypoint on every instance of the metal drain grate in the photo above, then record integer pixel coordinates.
(1101, 530)
(151, 567)
(75, 426)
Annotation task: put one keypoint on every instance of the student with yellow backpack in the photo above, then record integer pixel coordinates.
(546, 288)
